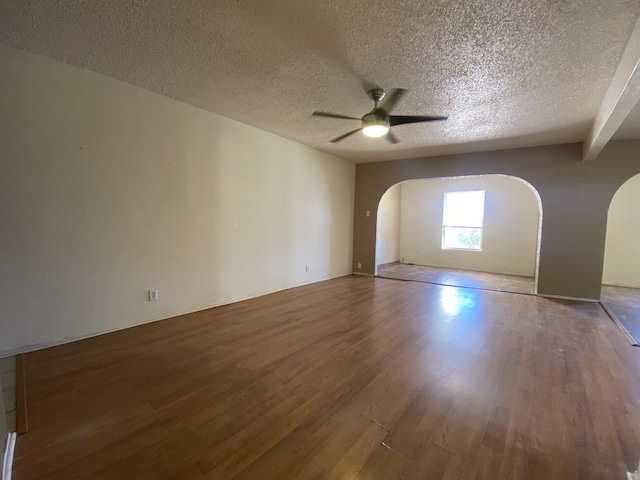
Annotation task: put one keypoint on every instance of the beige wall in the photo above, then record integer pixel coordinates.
(108, 190)
(388, 233)
(575, 198)
(510, 230)
(622, 247)
(4, 430)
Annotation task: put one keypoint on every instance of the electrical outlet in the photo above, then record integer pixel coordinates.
(368, 214)
(153, 295)
(359, 265)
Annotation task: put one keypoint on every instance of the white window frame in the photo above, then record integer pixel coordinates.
(445, 226)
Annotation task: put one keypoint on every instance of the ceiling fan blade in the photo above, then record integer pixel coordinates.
(391, 137)
(342, 137)
(404, 119)
(392, 99)
(333, 115)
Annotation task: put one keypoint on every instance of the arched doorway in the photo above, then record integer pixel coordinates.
(621, 268)
(413, 236)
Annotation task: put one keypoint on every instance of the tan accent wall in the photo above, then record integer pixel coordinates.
(3, 425)
(575, 198)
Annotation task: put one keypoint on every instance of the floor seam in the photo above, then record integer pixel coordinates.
(451, 453)
(385, 445)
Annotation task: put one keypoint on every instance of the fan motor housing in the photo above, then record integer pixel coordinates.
(375, 123)
(376, 116)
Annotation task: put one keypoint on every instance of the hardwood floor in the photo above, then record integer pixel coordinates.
(457, 278)
(353, 378)
(623, 304)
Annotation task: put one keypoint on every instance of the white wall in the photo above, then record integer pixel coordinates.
(511, 219)
(108, 190)
(388, 227)
(622, 247)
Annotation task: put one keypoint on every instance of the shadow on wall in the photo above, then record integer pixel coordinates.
(409, 225)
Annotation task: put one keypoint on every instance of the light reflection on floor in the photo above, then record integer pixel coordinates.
(454, 299)
(462, 323)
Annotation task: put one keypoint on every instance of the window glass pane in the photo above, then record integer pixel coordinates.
(463, 209)
(462, 238)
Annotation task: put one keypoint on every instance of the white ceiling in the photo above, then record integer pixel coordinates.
(508, 73)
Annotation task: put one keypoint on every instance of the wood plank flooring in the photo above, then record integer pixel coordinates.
(457, 278)
(623, 304)
(353, 378)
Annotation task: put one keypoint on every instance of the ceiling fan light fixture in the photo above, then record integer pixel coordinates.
(378, 122)
(374, 126)
(375, 130)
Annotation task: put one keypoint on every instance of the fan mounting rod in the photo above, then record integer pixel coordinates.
(376, 94)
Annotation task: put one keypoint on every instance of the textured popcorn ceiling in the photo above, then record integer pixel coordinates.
(508, 73)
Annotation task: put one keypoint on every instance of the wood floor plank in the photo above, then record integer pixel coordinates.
(352, 378)
(385, 464)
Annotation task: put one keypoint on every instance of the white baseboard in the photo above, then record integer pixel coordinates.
(7, 462)
(74, 338)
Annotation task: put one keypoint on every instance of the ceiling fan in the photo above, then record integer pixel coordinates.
(377, 122)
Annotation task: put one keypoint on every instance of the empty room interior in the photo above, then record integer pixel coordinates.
(320, 240)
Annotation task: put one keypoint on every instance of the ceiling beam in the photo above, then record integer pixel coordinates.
(621, 97)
